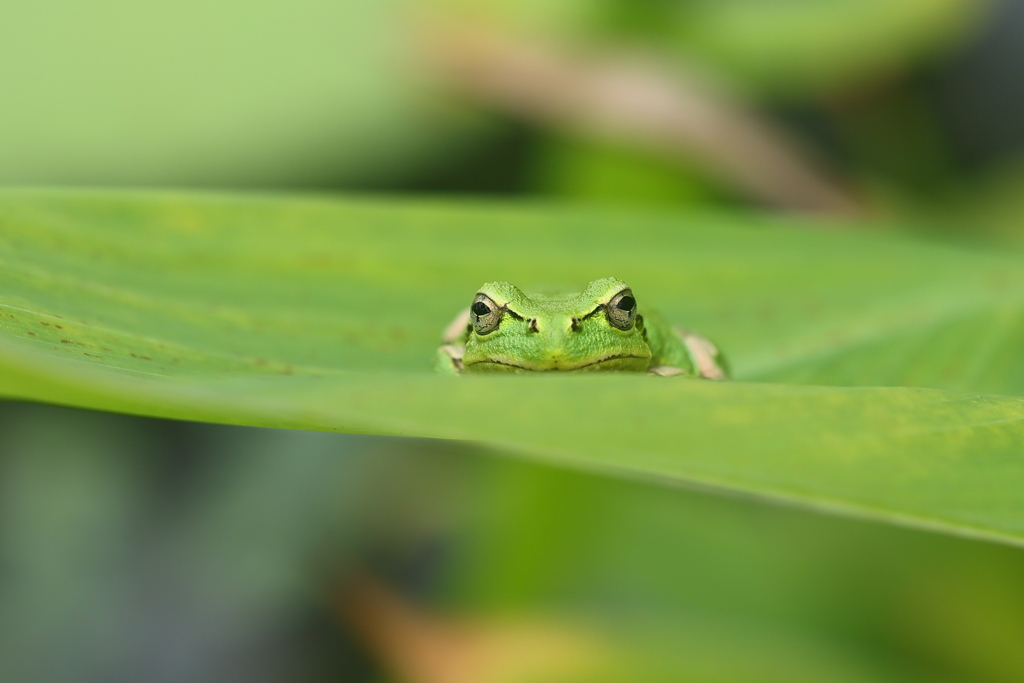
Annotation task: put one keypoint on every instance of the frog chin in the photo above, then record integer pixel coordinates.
(622, 361)
(628, 362)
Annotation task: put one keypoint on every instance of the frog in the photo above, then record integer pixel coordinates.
(601, 328)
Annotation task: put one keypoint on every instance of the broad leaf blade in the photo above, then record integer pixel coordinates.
(321, 314)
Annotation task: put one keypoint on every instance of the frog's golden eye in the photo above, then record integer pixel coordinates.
(485, 314)
(621, 310)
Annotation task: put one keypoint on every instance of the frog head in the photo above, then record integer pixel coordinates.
(597, 329)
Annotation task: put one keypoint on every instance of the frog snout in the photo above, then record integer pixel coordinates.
(558, 327)
(555, 339)
(569, 325)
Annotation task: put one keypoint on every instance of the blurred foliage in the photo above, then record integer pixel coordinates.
(277, 95)
(139, 550)
(226, 93)
(608, 174)
(153, 550)
(791, 48)
(747, 592)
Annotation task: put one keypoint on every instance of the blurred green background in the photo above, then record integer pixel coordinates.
(136, 549)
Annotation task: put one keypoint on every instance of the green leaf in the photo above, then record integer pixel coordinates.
(318, 313)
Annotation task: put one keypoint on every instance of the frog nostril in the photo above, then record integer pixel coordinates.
(575, 325)
(533, 325)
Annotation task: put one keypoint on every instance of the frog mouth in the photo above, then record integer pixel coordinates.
(582, 366)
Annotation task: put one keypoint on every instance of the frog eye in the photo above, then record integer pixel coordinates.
(621, 310)
(485, 314)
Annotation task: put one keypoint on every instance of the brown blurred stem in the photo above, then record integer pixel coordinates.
(412, 646)
(416, 646)
(638, 102)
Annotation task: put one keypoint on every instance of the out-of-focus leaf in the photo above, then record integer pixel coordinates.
(801, 45)
(989, 205)
(225, 93)
(323, 314)
(610, 174)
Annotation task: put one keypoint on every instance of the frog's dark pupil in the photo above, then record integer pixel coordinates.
(480, 308)
(626, 303)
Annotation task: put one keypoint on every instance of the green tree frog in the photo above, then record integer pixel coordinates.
(600, 328)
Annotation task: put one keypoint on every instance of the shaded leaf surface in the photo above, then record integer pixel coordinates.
(323, 314)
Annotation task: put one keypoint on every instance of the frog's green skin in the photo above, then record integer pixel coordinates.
(601, 328)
